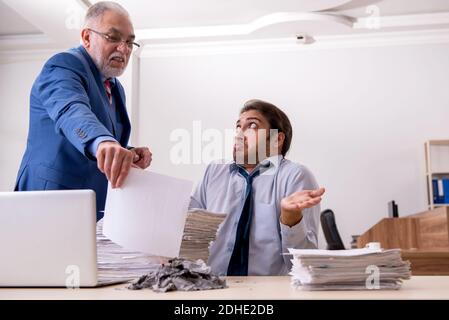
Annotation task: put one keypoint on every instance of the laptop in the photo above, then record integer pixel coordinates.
(48, 239)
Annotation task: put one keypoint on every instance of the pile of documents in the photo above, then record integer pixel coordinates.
(355, 269)
(200, 231)
(118, 264)
(146, 223)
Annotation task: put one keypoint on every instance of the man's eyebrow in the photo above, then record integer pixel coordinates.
(115, 30)
(249, 119)
(253, 118)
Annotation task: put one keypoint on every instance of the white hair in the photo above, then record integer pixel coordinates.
(97, 10)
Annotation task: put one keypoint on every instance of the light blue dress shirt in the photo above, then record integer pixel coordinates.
(222, 190)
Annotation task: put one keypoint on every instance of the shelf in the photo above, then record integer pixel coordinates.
(440, 205)
(441, 173)
(438, 142)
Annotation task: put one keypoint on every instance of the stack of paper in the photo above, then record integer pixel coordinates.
(200, 231)
(356, 269)
(118, 264)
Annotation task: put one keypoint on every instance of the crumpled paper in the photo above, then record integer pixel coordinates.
(180, 274)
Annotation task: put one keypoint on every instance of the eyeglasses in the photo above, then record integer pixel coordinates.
(116, 39)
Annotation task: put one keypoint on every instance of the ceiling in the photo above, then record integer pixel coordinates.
(39, 24)
(188, 13)
(12, 23)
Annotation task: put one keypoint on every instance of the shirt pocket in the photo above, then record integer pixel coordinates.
(265, 228)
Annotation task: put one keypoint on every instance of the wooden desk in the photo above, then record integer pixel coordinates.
(240, 288)
(427, 262)
(423, 238)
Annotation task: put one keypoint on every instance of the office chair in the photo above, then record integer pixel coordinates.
(330, 230)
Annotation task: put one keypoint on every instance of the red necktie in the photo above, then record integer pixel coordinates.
(107, 85)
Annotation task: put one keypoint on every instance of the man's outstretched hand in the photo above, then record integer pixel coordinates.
(292, 206)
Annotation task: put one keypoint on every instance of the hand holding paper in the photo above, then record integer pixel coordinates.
(148, 213)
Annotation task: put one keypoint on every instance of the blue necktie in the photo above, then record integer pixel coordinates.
(238, 265)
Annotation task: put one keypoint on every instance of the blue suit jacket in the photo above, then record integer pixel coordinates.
(68, 111)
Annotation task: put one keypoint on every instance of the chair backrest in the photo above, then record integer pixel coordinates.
(330, 230)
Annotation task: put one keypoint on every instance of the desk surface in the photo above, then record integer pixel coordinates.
(251, 288)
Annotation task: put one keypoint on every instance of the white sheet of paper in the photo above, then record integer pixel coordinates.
(333, 253)
(148, 213)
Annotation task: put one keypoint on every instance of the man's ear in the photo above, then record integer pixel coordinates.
(281, 138)
(85, 38)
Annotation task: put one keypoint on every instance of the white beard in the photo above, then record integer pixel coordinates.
(110, 72)
(106, 70)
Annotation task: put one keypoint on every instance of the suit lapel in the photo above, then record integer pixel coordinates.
(119, 96)
(105, 115)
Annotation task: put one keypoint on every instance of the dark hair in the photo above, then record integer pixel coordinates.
(275, 117)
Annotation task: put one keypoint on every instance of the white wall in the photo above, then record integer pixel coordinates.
(16, 80)
(360, 116)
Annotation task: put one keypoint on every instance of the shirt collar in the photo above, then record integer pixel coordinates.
(111, 80)
(270, 163)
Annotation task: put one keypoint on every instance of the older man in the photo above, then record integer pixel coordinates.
(271, 202)
(79, 127)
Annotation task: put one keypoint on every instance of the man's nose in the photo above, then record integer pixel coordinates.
(123, 48)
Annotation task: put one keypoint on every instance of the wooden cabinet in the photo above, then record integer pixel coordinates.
(423, 238)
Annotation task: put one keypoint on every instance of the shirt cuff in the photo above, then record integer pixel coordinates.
(93, 146)
(291, 236)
